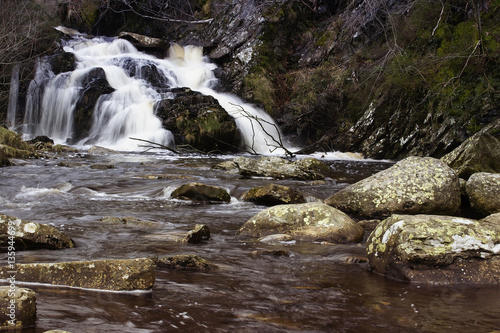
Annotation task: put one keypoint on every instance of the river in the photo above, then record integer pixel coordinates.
(312, 289)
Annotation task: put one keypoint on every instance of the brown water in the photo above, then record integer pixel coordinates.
(312, 289)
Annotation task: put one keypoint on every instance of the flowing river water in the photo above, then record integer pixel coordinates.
(312, 289)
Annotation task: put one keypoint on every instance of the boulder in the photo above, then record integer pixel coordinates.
(199, 234)
(436, 249)
(12, 146)
(201, 192)
(304, 222)
(479, 153)
(415, 185)
(186, 262)
(279, 168)
(483, 191)
(17, 307)
(127, 220)
(98, 150)
(30, 235)
(273, 194)
(117, 275)
(198, 121)
(146, 43)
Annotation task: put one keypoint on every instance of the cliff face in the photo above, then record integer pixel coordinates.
(386, 78)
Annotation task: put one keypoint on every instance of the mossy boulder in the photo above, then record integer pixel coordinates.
(305, 222)
(117, 275)
(436, 249)
(17, 307)
(273, 194)
(483, 191)
(198, 121)
(187, 262)
(12, 146)
(280, 168)
(31, 235)
(415, 185)
(479, 153)
(201, 192)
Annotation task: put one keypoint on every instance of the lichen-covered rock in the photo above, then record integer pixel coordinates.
(199, 234)
(479, 153)
(279, 168)
(436, 249)
(125, 274)
(415, 185)
(483, 190)
(12, 146)
(273, 194)
(30, 235)
(493, 219)
(201, 192)
(306, 222)
(17, 307)
(186, 262)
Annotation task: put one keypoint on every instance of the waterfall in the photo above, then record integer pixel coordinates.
(13, 95)
(127, 110)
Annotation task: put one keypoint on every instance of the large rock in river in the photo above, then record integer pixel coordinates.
(436, 249)
(30, 235)
(483, 190)
(17, 308)
(306, 222)
(201, 192)
(273, 194)
(479, 153)
(118, 275)
(415, 185)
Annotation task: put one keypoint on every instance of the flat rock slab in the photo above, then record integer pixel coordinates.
(117, 275)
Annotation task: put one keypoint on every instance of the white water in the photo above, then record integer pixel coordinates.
(128, 112)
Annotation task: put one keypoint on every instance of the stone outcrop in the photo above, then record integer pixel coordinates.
(483, 191)
(198, 121)
(30, 235)
(187, 262)
(415, 185)
(280, 168)
(436, 249)
(201, 193)
(117, 275)
(305, 222)
(479, 153)
(273, 194)
(17, 308)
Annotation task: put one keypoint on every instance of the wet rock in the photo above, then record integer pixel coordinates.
(118, 275)
(146, 43)
(198, 121)
(229, 166)
(97, 150)
(12, 146)
(279, 168)
(436, 249)
(479, 153)
(201, 192)
(17, 307)
(274, 253)
(186, 262)
(415, 185)
(355, 260)
(276, 238)
(199, 234)
(483, 191)
(273, 194)
(63, 62)
(30, 235)
(304, 222)
(369, 224)
(102, 166)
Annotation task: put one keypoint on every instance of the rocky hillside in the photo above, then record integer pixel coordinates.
(382, 77)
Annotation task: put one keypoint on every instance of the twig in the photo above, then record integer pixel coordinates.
(156, 145)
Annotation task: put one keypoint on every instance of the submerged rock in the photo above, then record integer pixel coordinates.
(189, 262)
(30, 235)
(199, 234)
(415, 185)
(127, 220)
(280, 168)
(118, 275)
(483, 191)
(479, 153)
(201, 192)
(305, 222)
(17, 307)
(436, 249)
(273, 194)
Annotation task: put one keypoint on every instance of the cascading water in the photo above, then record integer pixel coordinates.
(128, 111)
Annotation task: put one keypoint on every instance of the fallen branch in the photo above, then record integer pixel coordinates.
(156, 145)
